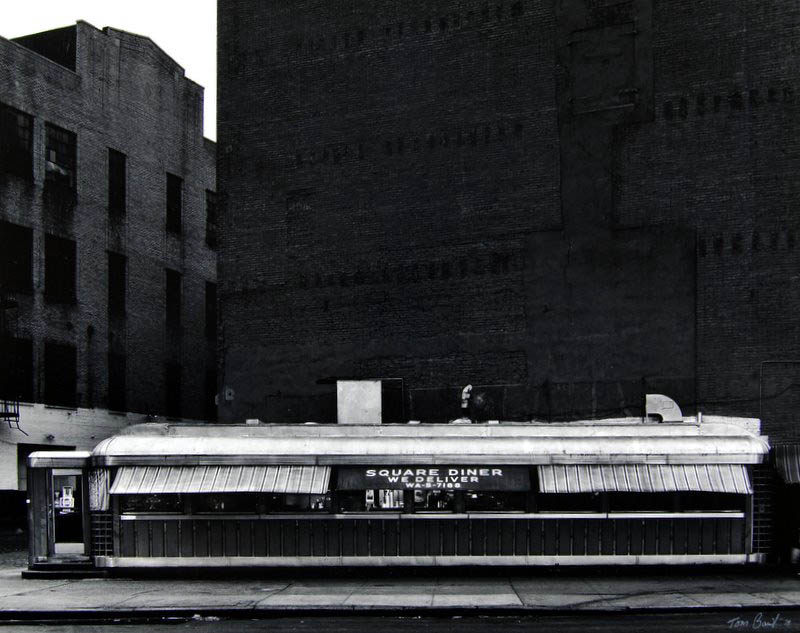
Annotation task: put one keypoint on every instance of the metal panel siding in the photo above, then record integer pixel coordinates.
(218, 479)
(787, 460)
(730, 478)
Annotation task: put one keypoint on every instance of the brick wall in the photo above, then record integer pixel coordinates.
(556, 202)
(128, 95)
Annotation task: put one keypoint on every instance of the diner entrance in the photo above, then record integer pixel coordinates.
(66, 512)
(57, 510)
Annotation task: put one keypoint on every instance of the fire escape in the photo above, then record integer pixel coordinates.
(9, 396)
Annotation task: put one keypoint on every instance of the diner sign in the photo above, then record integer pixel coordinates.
(514, 478)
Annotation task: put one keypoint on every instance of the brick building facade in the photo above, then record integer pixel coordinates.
(107, 224)
(567, 204)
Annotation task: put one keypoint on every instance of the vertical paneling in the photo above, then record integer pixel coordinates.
(478, 540)
(738, 536)
(259, 538)
(157, 538)
(406, 537)
(142, 529)
(216, 538)
(303, 529)
(128, 537)
(245, 538)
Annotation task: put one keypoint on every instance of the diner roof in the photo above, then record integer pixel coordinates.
(616, 442)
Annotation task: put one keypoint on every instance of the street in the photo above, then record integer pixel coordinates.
(706, 621)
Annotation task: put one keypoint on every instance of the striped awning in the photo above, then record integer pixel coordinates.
(133, 480)
(787, 460)
(645, 478)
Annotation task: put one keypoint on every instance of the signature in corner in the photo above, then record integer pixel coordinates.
(760, 622)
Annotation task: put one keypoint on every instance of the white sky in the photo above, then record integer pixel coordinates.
(185, 29)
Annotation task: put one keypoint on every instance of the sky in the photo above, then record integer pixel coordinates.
(185, 29)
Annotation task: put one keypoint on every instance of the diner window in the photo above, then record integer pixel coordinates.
(16, 258)
(60, 374)
(229, 503)
(642, 502)
(174, 203)
(435, 501)
(570, 502)
(59, 269)
(711, 502)
(211, 219)
(289, 503)
(369, 500)
(116, 284)
(151, 504)
(60, 158)
(117, 185)
(16, 142)
(494, 501)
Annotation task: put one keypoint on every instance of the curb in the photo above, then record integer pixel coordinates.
(139, 616)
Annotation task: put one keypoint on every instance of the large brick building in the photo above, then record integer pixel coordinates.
(107, 236)
(568, 204)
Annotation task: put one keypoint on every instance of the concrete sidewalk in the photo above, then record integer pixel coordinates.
(538, 590)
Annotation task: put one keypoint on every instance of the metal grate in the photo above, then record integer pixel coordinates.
(764, 492)
(102, 534)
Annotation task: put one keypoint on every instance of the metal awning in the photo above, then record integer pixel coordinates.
(787, 460)
(132, 480)
(645, 478)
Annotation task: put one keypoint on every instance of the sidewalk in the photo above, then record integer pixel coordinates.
(539, 590)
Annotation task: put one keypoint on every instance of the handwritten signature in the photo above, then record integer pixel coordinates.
(759, 622)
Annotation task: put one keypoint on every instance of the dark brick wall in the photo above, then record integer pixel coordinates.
(124, 94)
(555, 201)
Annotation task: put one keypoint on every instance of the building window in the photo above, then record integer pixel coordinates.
(60, 158)
(60, 375)
(59, 269)
(117, 364)
(211, 310)
(116, 284)
(211, 395)
(174, 203)
(16, 369)
(16, 258)
(211, 220)
(172, 382)
(173, 299)
(116, 182)
(16, 142)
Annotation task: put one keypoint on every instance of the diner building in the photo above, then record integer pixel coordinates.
(628, 491)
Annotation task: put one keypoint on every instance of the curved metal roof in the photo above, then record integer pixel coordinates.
(435, 444)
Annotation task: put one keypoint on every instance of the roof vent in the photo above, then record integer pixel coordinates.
(662, 407)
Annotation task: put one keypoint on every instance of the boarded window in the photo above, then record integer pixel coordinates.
(174, 203)
(211, 310)
(16, 258)
(60, 375)
(16, 369)
(116, 284)
(211, 219)
(59, 269)
(172, 382)
(117, 185)
(16, 142)
(60, 157)
(117, 365)
(173, 299)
